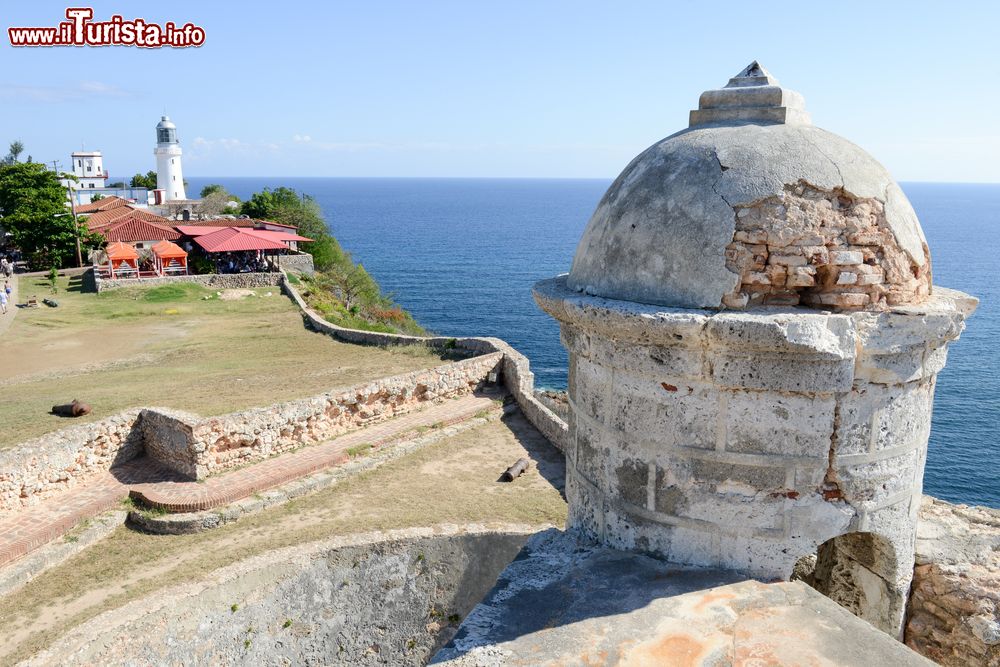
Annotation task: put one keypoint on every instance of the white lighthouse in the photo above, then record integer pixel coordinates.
(168, 161)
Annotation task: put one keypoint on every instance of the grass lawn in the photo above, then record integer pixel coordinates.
(167, 346)
(451, 481)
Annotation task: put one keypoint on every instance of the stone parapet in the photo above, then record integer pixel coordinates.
(59, 461)
(746, 440)
(222, 443)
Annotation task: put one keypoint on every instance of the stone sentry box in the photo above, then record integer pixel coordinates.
(725, 414)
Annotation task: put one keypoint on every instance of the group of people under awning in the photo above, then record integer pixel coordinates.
(168, 259)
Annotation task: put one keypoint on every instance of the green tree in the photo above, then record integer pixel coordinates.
(341, 285)
(33, 206)
(212, 188)
(144, 181)
(14, 152)
(286, 206)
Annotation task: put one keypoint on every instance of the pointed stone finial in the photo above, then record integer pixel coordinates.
(753, 96)
(753, 74)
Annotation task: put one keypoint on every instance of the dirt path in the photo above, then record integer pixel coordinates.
(5, 320)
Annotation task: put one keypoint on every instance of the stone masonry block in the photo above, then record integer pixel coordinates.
(591, 389)
(781, 372)
(717, 474)
(779, 424)
(682, 414)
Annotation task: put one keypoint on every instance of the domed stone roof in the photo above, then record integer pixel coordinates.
(753, 205)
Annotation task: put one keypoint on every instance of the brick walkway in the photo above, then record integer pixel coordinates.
(150, 482)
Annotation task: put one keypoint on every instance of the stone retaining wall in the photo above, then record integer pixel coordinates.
(54, 462)
(516, 372)
(214, 280)
(199, 447)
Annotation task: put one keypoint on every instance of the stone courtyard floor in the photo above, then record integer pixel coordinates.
(147, 480)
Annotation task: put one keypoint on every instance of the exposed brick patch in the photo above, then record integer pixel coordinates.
(821, 248)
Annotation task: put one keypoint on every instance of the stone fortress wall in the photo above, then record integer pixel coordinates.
(515, 374)
(198, 447)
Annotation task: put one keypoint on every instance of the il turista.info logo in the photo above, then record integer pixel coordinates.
(81, 30)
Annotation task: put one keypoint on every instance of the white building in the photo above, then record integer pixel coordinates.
(169, 177)
(88, 167)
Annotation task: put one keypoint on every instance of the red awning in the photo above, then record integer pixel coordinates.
(121, 251)
(235, 239)
(168, 250)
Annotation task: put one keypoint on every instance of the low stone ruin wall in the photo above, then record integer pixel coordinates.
(377, 599)
(213, 280)
(58, 461)
(516, 372)
(199, 447)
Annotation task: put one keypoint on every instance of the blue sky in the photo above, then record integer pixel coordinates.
(510, 89)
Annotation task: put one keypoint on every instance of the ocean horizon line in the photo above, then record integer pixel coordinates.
(516, 178)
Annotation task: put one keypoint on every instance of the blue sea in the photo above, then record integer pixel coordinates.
(462, 255)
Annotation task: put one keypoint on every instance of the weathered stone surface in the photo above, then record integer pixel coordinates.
(954, 608)
(566, 602)
(372, 599)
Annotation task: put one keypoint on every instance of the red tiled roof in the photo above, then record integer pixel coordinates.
(234, 239)
(105, 204)
(222, 223)
(237, 222)
(96, 221)
(134, 228)
(196, 230)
